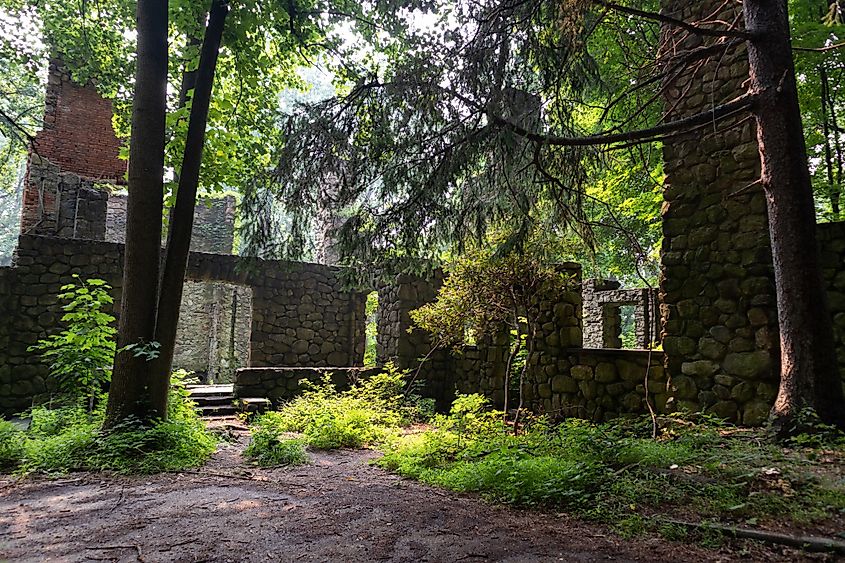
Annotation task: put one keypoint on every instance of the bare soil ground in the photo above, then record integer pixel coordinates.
(338, 508)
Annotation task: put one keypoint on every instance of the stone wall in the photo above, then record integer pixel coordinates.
(283, 384)
(116, 219)
(482, 369)
(717, 290)
(62, 204)
(214, 225)
(831, 237)
(8, 307)
(399, 342)
(602, 318)
(301, 313)
(562, 379)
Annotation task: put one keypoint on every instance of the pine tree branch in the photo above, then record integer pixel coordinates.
(642, 135)
(662, 18)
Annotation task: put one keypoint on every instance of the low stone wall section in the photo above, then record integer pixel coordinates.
(302, 314)
(282, 384)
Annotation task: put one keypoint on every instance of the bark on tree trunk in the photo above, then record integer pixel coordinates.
(809, 374)
(130, 393)
(181, 226)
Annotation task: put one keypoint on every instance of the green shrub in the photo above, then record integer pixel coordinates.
(615, 472)
(80, 357)
(369, 413)
(268, 447)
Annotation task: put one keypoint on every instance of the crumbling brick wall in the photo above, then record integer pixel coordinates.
(78, 135)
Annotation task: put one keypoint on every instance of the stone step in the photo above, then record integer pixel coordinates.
(253, 404)
(217, 410)
(210, 390)
(213, 400)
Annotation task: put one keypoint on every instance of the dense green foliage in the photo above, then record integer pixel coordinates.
(69, 438)
(615, 472)
(366, 414)
(484, 293)
(80, 356)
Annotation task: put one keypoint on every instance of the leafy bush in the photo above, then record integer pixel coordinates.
(268, 447)
(69, 438)
(369, 413)
(80, 357)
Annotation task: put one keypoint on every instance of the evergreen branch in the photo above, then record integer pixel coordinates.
(662, 18)
(643, 135)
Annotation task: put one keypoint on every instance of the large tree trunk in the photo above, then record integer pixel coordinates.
(131, 392)
(809, 374)
(182, 217)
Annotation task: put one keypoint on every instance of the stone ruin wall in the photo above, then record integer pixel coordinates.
(563, 378)
(212, 337)
(67, 205)
(301, 314)
(831, 237)
(717, 287)
(214, 223)
(602, 319)
(71, 191)
(399, 342)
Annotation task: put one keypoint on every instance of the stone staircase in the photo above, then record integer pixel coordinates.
(219, 400)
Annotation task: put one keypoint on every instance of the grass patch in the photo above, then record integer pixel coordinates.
(617, 474)
(68, 438)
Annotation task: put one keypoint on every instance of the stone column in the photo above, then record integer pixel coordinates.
(717, 288)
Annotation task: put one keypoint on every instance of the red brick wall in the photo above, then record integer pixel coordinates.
(77, 133)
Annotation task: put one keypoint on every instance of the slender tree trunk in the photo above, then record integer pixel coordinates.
(833, 190)
(809, 374)
(517, 346)
(131, 393)
(181, 226)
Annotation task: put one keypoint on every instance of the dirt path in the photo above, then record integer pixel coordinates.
(339, 508)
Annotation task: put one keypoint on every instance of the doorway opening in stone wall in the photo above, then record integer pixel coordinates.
(628, 327)
(371, 329)
(213, 335)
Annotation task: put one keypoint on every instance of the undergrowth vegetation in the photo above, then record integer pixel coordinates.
(616, 473)
(368, 413)
(65, 434)
(68, 438)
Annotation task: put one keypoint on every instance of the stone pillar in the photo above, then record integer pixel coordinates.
(558, 331)
(717, 291)
(405, 346)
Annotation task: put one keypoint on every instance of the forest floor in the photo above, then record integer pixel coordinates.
(337, 508)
